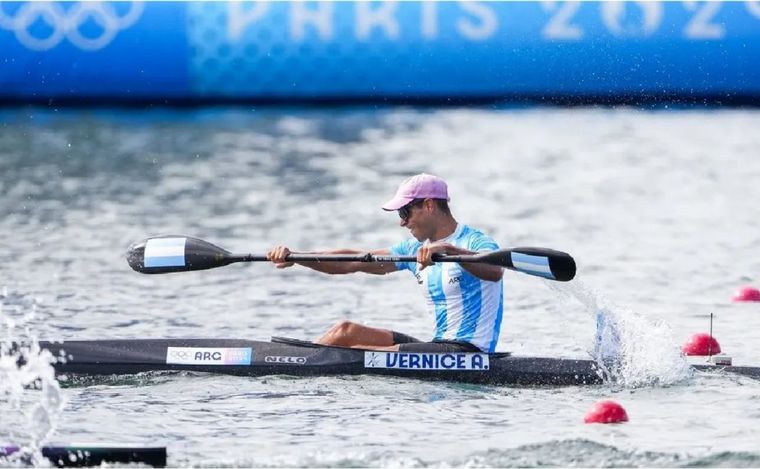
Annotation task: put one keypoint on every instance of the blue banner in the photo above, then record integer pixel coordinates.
(355, 50)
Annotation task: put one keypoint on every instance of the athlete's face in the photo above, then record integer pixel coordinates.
(414, 216)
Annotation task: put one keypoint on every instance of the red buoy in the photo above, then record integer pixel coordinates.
(701, 345)
(606, 412)
(746, 294)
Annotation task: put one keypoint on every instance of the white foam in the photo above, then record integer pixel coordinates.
(647, 353)
(31, 401)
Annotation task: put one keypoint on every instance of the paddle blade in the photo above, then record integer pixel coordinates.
(542, 262)
(165, 254)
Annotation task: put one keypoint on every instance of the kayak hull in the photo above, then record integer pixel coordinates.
(124, 357)
(297, 358)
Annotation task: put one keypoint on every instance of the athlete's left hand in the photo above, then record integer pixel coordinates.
(426, 251)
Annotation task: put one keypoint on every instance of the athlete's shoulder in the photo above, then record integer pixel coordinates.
(468, 230)
(477, 240)
(407, 247)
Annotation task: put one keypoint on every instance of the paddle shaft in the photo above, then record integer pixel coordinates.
(351, 258)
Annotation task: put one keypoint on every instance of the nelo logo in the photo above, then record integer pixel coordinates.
(288, 360)
(68, 23)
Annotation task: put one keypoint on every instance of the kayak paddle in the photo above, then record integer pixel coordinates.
(164, 254)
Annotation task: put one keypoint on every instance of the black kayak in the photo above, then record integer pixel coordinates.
(89, 456)
(293, 357)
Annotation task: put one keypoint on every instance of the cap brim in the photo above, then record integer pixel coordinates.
(396, 203)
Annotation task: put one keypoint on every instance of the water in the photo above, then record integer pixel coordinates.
(658, 208)
(30, 395)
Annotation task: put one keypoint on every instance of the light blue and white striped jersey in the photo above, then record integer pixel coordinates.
(465, 307)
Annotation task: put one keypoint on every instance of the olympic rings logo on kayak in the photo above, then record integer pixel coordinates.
(181, 354)
(66, 23)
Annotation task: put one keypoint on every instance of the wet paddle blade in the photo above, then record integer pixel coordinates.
(541, 262)
(163, 254)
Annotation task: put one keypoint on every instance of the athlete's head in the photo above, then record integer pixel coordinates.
(421, 201)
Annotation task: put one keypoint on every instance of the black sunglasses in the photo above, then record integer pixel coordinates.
(403, 212)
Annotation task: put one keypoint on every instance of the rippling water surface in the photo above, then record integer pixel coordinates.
(660, 209)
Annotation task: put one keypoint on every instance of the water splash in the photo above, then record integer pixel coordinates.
(30, 397)
(631, 350)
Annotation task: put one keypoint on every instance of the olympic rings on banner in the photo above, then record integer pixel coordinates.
(67, 23)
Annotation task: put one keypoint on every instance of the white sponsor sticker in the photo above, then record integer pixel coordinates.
(426, 361)
(208, 356)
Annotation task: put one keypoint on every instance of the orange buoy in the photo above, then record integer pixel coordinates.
(701, 345)
(606, 412)
(746, 294)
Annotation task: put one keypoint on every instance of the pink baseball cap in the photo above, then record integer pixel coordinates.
(421, 186)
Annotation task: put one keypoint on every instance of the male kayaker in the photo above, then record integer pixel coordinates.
(466, 299)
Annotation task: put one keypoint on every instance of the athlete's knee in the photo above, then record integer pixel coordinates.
(343, 329)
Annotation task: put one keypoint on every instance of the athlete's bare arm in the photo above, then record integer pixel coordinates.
(279, 254)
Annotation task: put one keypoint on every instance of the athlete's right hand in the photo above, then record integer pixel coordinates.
(277, 255)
